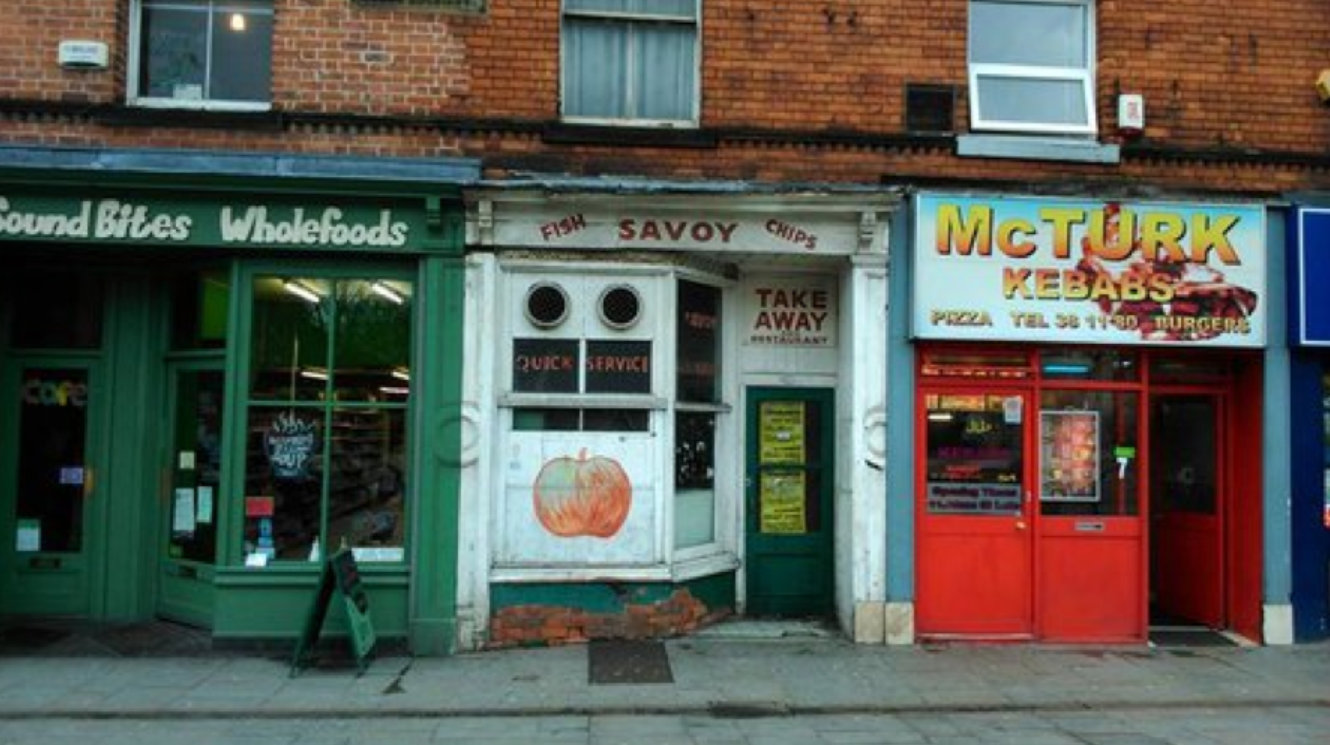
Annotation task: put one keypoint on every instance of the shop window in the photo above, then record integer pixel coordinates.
(201, 54)
(630, 61)
(329, 386)
(1192, 368)
(57, 310)
(698, 390)
(1088, 458)
(200, 303)
(1089, 364)
(975, 365)
(974, 454)
(1031, 66)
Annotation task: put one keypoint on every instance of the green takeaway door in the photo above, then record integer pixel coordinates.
(50, 427)
(790, 465)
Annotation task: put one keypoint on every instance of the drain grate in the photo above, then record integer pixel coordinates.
(615, 661)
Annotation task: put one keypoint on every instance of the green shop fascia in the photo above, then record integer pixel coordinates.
(217, 370)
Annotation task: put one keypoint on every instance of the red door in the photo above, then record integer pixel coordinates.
(974, 560)
(1186, 498)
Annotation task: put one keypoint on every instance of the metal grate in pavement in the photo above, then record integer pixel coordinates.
(622, 661)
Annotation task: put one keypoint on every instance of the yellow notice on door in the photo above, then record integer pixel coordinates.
(781, 435)
(782, 498)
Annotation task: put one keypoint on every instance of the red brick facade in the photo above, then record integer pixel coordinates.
(526, 625)
(790, 91)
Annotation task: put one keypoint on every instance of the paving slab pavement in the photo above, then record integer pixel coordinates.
(737, 678)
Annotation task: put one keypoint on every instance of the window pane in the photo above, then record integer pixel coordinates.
(1088, 461)
(200, 303)
(698, 331)
(173, 52)
(1089, 364)
(974, 454)
(681, 8)
(595, 69)
(283, 481)
(241, 53)
(694, 479)
(52, 437)
(367, 478)
(57, 310)
(547, 420)
(664, 71)
(1184, 458)
(198, 444)
(618, 367)
(372, 354)
(545, 365)
(1045, 34)
(615, 420)
(290, 339)
(1028, 101)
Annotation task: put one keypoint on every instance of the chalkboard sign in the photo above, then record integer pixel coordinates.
(340, 574)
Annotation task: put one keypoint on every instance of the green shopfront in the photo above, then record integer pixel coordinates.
(214, 376)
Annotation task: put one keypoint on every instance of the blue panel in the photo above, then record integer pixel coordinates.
(900, 424)
(1309, 278)
(1310, 539)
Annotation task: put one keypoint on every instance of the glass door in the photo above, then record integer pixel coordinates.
(975, 545)
(194, 465)
(48, 482)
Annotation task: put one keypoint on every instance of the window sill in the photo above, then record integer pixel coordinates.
(157, 116)
(627, 133)
(1034, 147)
(705, 565)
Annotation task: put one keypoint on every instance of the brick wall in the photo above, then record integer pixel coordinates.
(530, 625)
(1230, 80)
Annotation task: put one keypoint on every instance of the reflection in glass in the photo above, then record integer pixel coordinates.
(373, 346)
(1110, 462)
(694, 478)
(1183, 464)
(1089, 364)
(974, 454)
(367, 477)
(289, 346)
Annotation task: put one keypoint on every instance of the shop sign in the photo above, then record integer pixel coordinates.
(180, 222)
(1051, 270)
(1309, 274)
(798, 312)
(585, 227)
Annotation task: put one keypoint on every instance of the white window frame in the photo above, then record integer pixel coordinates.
(136, 9)
(695, 22)
(1084, 74)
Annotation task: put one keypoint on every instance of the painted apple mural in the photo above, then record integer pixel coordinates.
(582, 496)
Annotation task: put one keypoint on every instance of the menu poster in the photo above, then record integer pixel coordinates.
(781, 435)
(1069, 462)
(782, 497)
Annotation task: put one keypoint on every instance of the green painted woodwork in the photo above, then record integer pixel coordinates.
(791, 574)
(716, 591)
(125, 570)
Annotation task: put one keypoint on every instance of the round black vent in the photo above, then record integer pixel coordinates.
(620, 307)
(546, 305)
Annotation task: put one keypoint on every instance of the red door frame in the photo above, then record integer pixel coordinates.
(1238, 400)
(1224, 455)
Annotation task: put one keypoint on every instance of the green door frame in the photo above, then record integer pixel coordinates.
(800, 564)
(43, 582)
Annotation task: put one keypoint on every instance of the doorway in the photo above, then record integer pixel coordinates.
(790, 493)
(1186, 510)
(974, 565)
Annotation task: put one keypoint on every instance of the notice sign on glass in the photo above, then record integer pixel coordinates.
(781, 434)
(782, 498)
(1069, 456)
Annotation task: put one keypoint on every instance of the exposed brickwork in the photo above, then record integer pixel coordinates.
(526, 625)
(1229, 77)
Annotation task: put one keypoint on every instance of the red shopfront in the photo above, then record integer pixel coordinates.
(1068, 489)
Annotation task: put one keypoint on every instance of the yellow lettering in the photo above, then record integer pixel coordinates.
(971, 235)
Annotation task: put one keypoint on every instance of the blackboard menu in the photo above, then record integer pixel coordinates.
(545, 365)
(618, 367)
(698, 332)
